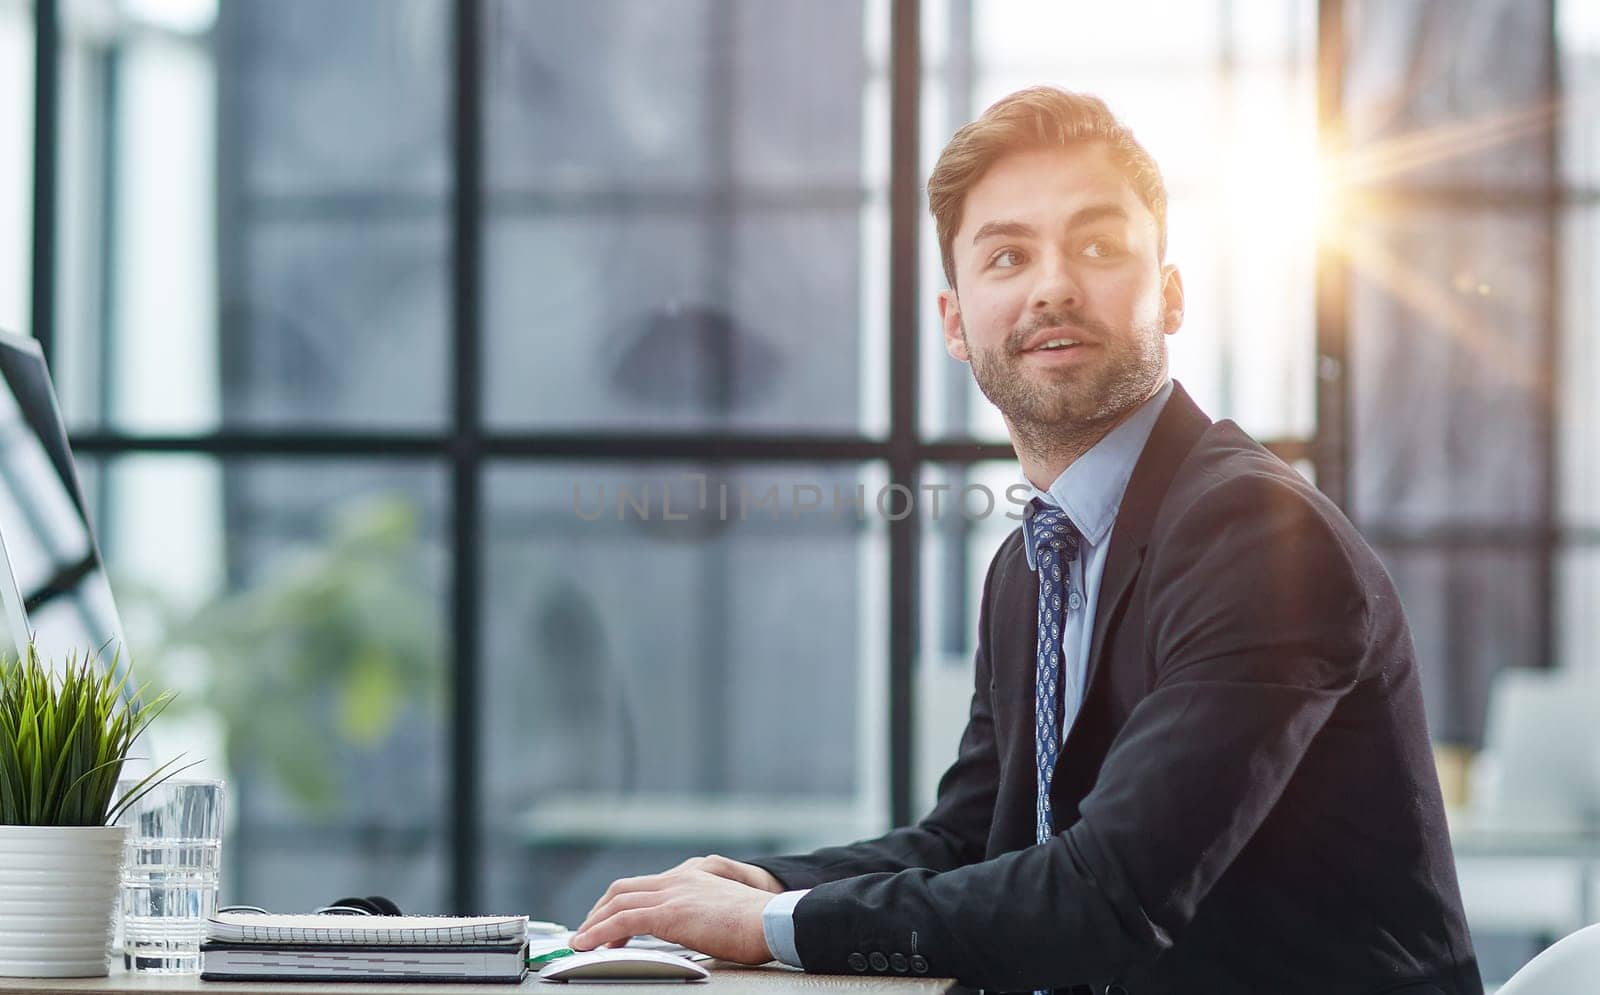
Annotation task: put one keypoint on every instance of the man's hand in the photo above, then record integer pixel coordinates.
(710, 904)
(733, 870)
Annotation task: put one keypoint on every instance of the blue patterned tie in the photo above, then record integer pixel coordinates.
(1055, 544)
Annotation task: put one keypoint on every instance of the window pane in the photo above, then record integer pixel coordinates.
(1449, 326)
(16, 165)
(345, 98)
(1578, 407)
(1039, 38)
(1471, 614)
(1578, 38)
(959, 539)
(657, 688)
(1227, 107)
(679, 208)
(345, 324)
(1578, 624)
(299, 609)
(255, 217)
(1461, 100)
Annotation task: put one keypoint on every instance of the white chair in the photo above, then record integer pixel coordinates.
(1571, 966)
(1524, 852)
(1540, 768)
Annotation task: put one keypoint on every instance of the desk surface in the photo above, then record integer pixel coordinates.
(770, 980)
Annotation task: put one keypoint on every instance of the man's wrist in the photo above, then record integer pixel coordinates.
(777, 925)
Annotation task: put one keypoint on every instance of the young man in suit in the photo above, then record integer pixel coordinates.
(1196, 760)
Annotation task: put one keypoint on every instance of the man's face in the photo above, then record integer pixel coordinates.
(1055, 245)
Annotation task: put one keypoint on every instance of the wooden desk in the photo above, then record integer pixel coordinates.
(773, 979)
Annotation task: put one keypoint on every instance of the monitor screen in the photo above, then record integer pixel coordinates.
(53, 582)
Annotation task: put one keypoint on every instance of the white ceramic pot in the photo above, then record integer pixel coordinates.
(58, 893)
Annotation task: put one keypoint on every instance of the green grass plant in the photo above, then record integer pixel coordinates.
(64, 737)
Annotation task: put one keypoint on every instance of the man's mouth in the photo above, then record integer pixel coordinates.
(1058, 339)
(1054, 344)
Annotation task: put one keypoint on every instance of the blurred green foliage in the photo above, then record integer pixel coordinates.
(322, 653)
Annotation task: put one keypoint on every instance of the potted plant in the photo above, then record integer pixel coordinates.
(63, 740)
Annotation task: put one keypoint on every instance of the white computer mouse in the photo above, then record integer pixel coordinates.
(623, 964)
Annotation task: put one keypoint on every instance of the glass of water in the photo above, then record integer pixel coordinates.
(170, 868)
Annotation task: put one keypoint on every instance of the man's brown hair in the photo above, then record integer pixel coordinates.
(1035, 118)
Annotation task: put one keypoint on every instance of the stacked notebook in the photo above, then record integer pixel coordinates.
(243, 946)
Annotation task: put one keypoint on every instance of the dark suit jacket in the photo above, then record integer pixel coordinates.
(1246, 801)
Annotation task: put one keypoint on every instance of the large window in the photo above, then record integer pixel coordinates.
(256, 268)
(350, 305)
(493, 412)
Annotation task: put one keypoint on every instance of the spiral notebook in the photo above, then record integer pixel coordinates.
(348, 962)
(420, 931)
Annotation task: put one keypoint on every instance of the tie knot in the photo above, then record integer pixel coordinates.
(1049, 531)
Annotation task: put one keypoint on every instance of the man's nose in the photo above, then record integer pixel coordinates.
(1058, 287)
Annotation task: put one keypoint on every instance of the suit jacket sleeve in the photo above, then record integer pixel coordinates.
(956, 831)
(1256, 626)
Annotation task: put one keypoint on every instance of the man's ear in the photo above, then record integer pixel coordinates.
(1171, 299)
(950, 317)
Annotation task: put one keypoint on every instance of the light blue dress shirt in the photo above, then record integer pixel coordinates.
(1090, 492)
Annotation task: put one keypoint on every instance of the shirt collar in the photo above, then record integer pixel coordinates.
(1090, 490)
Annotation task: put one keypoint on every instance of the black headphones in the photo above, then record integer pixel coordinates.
(372, 905)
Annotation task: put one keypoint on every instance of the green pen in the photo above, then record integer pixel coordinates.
(550, 955)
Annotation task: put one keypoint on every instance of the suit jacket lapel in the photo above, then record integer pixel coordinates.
(1174, 435)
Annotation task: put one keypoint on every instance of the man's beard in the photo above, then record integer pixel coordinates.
(1077, 396)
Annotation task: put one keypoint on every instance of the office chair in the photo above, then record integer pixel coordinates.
(1567, 967)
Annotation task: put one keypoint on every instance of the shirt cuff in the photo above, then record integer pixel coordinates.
(777, 922)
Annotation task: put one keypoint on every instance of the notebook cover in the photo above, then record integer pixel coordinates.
(434, 979)
(382, 948)
(368, 962)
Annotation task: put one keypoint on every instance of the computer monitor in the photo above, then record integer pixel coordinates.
(52, 578)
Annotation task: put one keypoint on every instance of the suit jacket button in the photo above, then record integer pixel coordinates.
(856, 962)
(879, 961)
(919, 963)
(898, 962)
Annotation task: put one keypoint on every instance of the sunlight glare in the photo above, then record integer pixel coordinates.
(1279, 191)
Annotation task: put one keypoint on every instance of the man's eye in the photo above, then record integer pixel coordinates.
(1100, 248)
(1007, 259)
